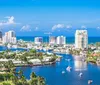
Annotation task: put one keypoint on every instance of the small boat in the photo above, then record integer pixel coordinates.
(68, 68)
(67, 51)
(90, 82)
(63, 72)
(80, 75)
(9, 46)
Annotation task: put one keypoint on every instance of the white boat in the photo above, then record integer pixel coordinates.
(49, 53)
(44, 49)
(63, 72)
(9, 46)
(67, 51)
(90, 82)
(80, 75)
(68, 68)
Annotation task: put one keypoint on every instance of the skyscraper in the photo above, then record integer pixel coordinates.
(61, 40)
(81, 39)
(38, 40)
(0, 36)
(9, 37)
(11, 33)
(52, 40)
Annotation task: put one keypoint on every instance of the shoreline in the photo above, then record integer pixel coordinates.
(31, 65)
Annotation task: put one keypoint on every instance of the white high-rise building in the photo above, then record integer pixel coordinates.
(61, 40)
(52, 40)
(9, 37)
(38, 40)
(81, 39)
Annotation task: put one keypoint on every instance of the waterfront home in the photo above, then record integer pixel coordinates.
(48, 53)
(4, 60)
(96, 54)
(14, 46)
(35, 61)
(46, 59)
(18, 62)
(29, 45)
(98, 48)
(98, 61)
(2, 70)
(96, 51)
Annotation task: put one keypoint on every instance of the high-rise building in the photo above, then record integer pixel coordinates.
(38, 40)
(0, 36)
(52, 40)
(9, 37)
(81, 39)
(61, 40)
(11, 34)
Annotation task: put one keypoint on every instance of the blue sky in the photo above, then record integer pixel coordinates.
(41, 17)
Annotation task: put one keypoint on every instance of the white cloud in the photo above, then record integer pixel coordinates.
(83, 27)
(61, 26)
(68, 26)
(98, 28)
(25, 28)
(36, 28)
(10, 21)
(57, 26)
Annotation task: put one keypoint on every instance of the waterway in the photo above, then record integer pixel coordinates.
(53, 73)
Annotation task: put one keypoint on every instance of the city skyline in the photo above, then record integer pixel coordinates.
(49, 42)
(37, 18)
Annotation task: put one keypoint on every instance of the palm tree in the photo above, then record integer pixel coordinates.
(33, 81)
(14, 79)
(33, 75)
(23, 80)
(20, 74)
(40, 54)
(41, 80)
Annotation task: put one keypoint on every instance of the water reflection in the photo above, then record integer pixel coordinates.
(80, 65)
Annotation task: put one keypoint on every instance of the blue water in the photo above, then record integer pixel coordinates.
(68, 39)
(3, 48)
(54, 76)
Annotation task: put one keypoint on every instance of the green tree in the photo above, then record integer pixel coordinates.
(20, 74)
(33, 75)
(34, 81)
(41, 80)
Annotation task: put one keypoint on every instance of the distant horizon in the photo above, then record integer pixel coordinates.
(52, 33)
(68, 39)
(54, 36)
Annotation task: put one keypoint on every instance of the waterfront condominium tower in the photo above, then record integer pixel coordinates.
(9, 37)
(61, 40)
(0, 36)
(38, 40)
(52, 40)
(81, 39)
